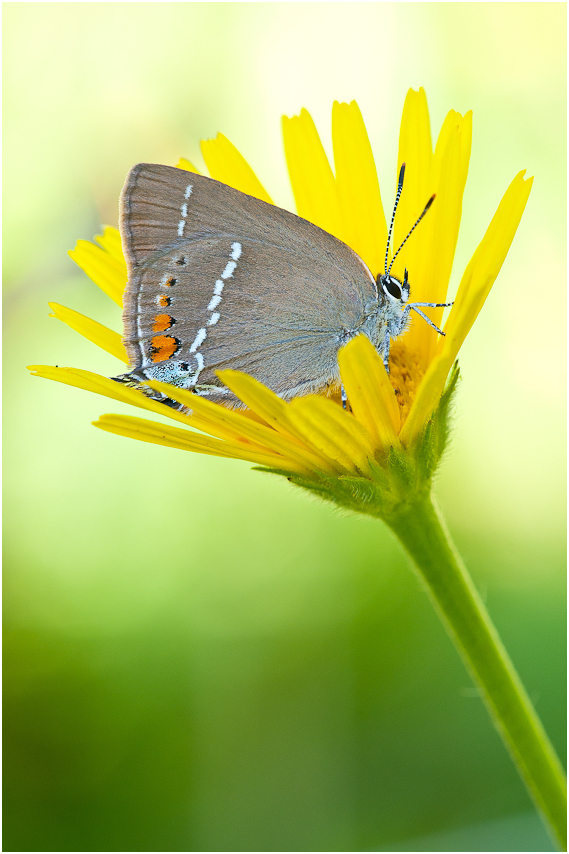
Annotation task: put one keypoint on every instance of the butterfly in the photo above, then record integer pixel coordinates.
(219, 279)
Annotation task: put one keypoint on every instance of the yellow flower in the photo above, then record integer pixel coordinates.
(314, 436)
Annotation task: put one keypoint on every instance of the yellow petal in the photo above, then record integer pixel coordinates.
(486, 264)
(313, 183)
(227, 165)
(95, 383)
(336, 433)
(102, 267)
(358, 187)
(173, 437)
(187, 165)
(369, 391)
(272, 410)
(264, 402)
(160, 434)
(466, 145)
(415, 150)
(475, 286)
(242, 427)
(110, 241)
(441, 226)
(107, 387)
(450, 168)
(100, 335)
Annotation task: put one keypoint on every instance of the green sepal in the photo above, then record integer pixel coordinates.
(432, 442)
(358, 494)
(281, 472)
(379, 495)
(401, 470)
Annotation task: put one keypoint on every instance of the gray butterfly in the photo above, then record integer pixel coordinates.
(218, 279)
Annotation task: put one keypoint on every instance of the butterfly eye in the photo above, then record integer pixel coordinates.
(393, 287)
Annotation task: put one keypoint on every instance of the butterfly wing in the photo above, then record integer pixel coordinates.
(218, 279)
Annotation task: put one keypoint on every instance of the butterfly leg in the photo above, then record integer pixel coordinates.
(384, 351)
(344, 396)
(413, 305)
(424, 316)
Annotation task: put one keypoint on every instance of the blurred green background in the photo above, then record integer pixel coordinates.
(241, 668)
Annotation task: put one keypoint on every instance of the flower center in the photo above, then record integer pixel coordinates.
(405, 374)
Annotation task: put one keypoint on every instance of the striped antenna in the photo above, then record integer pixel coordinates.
(427, 206)
(397, 197)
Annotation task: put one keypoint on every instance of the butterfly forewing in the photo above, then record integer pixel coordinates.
(222, 277)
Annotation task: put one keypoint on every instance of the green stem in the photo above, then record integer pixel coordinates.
(422, 532)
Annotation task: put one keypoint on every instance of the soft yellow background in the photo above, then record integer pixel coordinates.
(197, 656)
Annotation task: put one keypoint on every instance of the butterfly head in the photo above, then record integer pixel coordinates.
(393, 289)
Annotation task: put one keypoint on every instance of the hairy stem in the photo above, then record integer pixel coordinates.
(420, 528)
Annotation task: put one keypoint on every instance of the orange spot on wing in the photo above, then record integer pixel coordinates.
(163, 301)
(162, 322)
(163, 347)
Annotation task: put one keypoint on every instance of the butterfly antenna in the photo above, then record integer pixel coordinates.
(397, 197)
(427, 206)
